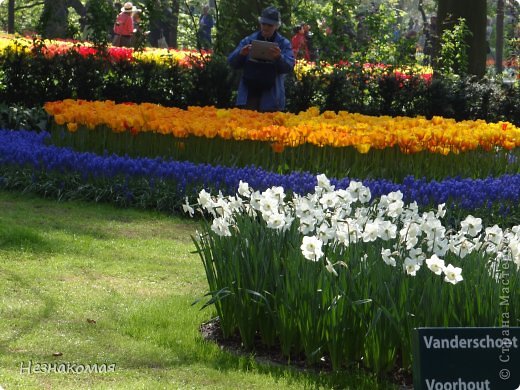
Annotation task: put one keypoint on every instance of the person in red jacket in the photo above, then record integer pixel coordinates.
(299, 43)
(124, 26)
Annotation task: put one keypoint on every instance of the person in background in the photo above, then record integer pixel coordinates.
(205, 25)
(308, 38)
(261, 86)
(299, 44)
(124, 26)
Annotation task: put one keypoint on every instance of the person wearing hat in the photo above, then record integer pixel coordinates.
(262, 86)
(124, 26)
(299, 43)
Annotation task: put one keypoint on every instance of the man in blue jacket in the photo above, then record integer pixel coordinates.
(261, 86)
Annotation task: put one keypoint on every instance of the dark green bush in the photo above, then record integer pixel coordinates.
(30, 79)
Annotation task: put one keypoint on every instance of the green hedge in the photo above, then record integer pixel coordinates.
(30, 79)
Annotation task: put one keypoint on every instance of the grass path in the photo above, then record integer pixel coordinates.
(94, 284)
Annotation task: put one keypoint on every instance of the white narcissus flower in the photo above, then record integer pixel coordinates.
(276, 193)
(387, 230)
(205, 200)
(494, 234)
(471, 225)
(371, 231)
(409, 234)
(441, 210)
(221, 227)
(329, 200)
(514, 245)
(433, 229)
(307, 225)
(461, 246)
(311, 248)
(330, 268)
(187, 208)
(268, 206)
(435, 264)
(243, 189)
(276, 221)
(411, 266)
(326, 232)
(359, 192)
(386, 254)
(395, 209)
(324, 183)
(453, 274)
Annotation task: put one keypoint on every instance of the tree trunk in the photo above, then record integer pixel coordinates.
(175, 24)
(54, 19)
(10, 17)
(474, 12)
(499, 53)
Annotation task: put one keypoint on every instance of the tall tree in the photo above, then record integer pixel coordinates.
(10, 17)
(475, 14)
(55, 15)
(499, 50)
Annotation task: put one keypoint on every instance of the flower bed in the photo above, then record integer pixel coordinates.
(339, 278)
(335, 144)
(51, 48)
(28, 162)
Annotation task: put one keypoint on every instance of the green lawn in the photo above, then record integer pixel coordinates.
(95, 284)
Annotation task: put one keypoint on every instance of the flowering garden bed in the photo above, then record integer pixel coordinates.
(337, 270)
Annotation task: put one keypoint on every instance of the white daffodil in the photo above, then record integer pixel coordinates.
(276, 193)
(387, 257)
(395, 208)
(417, 255)
(514, 246)
(243, 189)
(435, 265)
(326, 233)
(433, 229)
(441, 210)
(409, 233)
(324, 183)
(461, 246)
(304, 208)
(307, 225)
(276, 221)
(187, 208)
(411, 266)
(494, 234)
(471, 225)
(221, 227)
(453, 274)
(330, 267)
(205, 200)
(268, 206)
(371, 231)
(311, 248)
(329, 200)
(255, 200)
(439, 246)
(387, 230)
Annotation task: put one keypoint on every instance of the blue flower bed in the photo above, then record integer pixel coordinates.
(74, 174)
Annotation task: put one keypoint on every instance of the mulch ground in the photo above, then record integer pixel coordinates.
(272, 355)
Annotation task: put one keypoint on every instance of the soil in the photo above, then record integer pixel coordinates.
(273, 355)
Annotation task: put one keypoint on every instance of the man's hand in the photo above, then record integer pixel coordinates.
(245, 50)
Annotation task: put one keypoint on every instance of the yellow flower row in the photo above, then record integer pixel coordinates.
(56, 47)
(411, 135)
